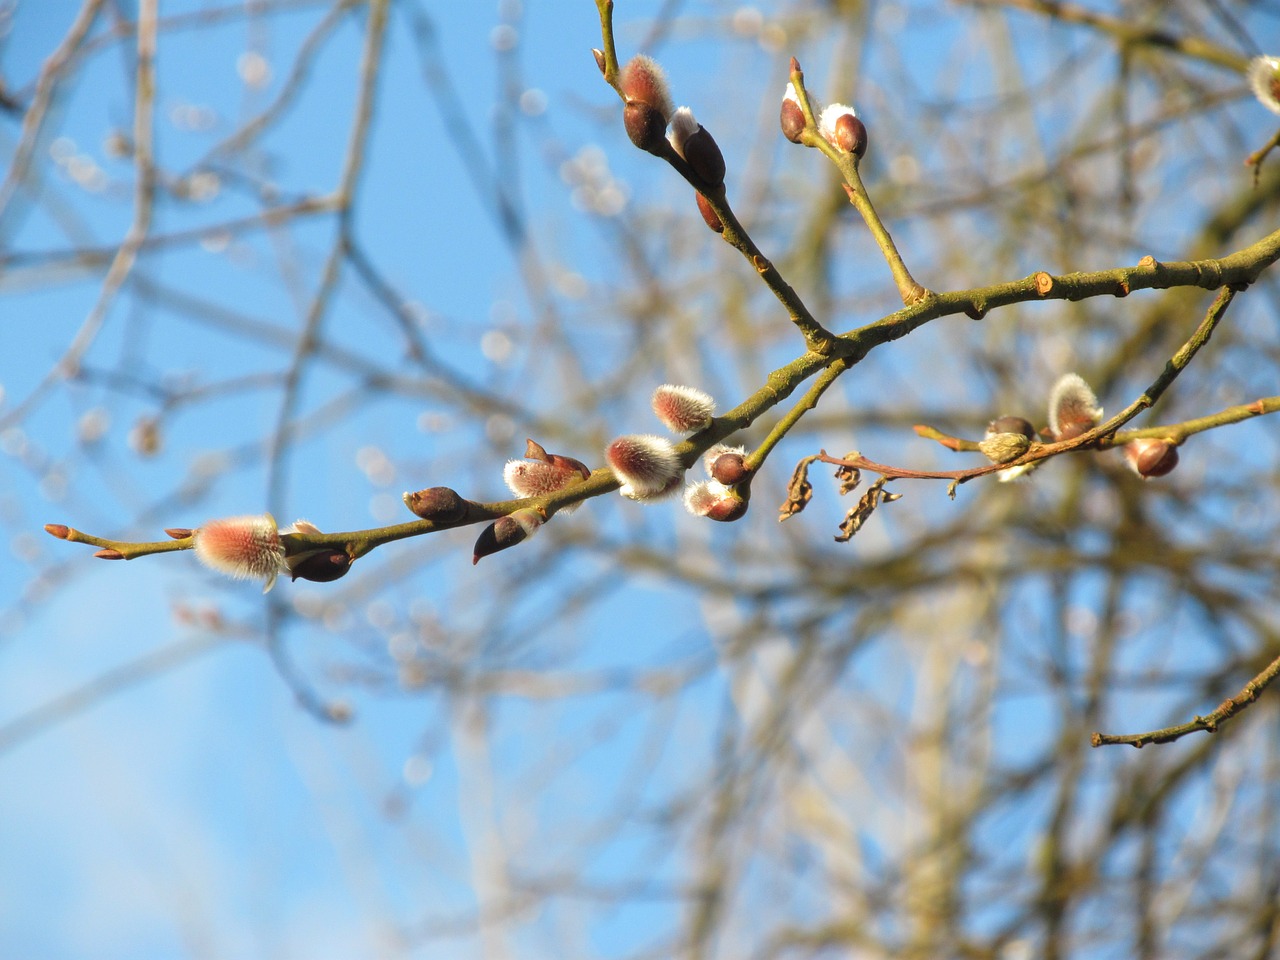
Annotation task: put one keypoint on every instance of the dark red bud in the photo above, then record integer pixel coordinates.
(709, 216)
(728, 509)
(321, 566)
(441, 504)
(1151, 458)
(729, 468)
(851, 134)
(703, 155)
(1012, 425)
(646, 126)
(792, 120)
(499, 535)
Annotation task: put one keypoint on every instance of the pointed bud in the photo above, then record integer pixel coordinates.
(699, 149)
(647, 465)
(108, 553)
(543, 473)
(1264, 78)
(244, 548)
(712, 499)
(683, 409)
(506, 532)
(59, 530)
(439, 504)
(709, 216)
(599, 56)
(1073, 409)
(1149, 458)
(793, 122)
(179, 533)
(729, 468)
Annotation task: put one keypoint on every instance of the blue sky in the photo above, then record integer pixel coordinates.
(198, 811)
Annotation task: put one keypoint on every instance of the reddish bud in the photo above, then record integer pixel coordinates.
(714, 500)
(792, 118)
(682, 409)
(109, 554)
(647, 465)
(851, 135)
(506, 532)
(1149, 458)
(543, 473)
(600, 61)
(320, 566)
(729, 468)
(646, 126)
(839, 115)
(59, 530)
(709, 216)
(642, 81)
(440, 504)
(179, 533)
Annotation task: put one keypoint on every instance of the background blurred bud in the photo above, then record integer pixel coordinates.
(1264, 78)
(1009, 424)
(683, 409)
(1149, 458)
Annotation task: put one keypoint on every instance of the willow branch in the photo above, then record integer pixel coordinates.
(1208, 723)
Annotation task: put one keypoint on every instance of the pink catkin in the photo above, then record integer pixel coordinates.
(244, 548)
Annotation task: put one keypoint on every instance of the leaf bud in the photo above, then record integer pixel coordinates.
(440, 504)
(506, 532)
(179, 533)
(1148, 457)
(59, 530)
(109, 553)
